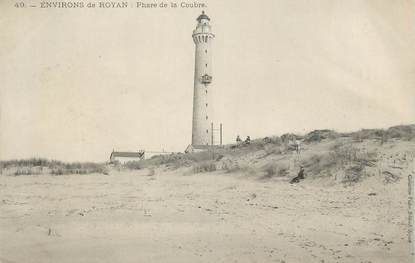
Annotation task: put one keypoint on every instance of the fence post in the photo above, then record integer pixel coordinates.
(411, 215)
(221, 134)
(211, 128)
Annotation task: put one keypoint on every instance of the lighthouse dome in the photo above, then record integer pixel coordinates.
(203, 26)
(202, 16)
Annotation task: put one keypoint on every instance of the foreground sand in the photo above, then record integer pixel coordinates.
(210, 217)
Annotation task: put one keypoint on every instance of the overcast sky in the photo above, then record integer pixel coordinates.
(76, 84)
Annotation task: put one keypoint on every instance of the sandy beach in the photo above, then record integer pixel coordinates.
(176, 216)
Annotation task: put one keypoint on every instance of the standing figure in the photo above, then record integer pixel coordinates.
(238, 140)
(297, 146)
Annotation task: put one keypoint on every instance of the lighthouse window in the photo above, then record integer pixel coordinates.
(207, 131)
(206, 91)
(206, 51)
(206, 65)
(206, 104)
(207, 117)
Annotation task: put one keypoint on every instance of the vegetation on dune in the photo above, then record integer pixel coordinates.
(42, 166)
(341, 156)
(319, 135)
(133, 165)
(345, 157)
(177, 160)
(205, 166)
(27, 162)
(403, 132)
(273, 169)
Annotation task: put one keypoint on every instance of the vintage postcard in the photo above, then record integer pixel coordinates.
(207, 131)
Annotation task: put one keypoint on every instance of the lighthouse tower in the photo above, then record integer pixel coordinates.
(202, 94)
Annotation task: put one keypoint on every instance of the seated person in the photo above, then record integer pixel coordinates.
(299, 177)
(248, 140)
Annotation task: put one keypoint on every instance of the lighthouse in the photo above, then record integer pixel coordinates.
(202, 92)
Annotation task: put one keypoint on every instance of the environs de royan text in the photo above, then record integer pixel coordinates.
(121, 4)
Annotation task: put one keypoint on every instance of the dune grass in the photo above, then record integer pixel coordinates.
(54, 167)
(327, 152)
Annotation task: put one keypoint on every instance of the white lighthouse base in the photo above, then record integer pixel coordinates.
(201, 148)
(197, 148)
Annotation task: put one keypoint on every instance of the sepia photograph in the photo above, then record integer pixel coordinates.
(207, 131)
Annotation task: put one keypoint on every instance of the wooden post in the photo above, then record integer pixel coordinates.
(411, 238)
(211, 128)
(221, 134)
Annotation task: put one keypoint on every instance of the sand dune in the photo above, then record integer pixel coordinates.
(232, 205)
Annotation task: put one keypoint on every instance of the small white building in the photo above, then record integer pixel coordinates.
(124, 157)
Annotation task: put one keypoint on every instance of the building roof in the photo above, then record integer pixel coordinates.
(127, 154)
(202, 16)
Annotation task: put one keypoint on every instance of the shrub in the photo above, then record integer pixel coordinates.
(57, 172)
(353, 174)
(406, 132)
(230, 166)
(289, 137)
(133, 165)
(273, 169)
(272, 150)
(319, 135)
(366, 134)
(341, 157)
(207, 166)
(22, 172)
(276, 140)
